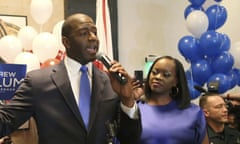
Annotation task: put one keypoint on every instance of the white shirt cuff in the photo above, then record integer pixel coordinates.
(131, 112)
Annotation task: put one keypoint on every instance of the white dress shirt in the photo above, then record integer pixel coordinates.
(74, 74)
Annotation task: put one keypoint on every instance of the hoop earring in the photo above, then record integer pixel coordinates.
(174, 92)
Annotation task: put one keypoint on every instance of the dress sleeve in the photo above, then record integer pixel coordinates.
(201, 127)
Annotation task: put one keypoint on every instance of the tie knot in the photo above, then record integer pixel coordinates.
(84, 68)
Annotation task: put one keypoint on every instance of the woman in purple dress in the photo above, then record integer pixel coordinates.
(167, 115)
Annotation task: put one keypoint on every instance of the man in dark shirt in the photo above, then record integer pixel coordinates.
(228, 136)
(216, 114)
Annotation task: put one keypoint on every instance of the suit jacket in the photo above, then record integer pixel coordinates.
(46, 94)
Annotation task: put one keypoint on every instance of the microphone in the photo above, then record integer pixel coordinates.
(107, 63)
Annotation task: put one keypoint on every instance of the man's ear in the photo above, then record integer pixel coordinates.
(65, 42)
(206, 113)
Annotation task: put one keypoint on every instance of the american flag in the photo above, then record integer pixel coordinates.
(103, 24)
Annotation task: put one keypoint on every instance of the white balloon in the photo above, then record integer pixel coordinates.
(197, 23)
(209, 3)
(45, 46)
(10, 47)
(26, 35)
(41, 10)
(29, 59)
(57, 31)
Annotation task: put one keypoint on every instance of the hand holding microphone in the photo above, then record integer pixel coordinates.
(107, 62)
(122, 86)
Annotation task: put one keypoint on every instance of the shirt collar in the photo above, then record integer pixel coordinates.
(225, 132)
(73, 66)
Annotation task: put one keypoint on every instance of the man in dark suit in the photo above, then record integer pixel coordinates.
(50, 95)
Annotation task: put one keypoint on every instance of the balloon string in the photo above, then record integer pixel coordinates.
(191, 72)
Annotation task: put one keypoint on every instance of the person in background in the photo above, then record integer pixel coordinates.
(234, 98)
(50, 95)
(5, 139)
(234, 117)
(216, 114)
(167, 115)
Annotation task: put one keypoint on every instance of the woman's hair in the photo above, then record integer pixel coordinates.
(180, 93)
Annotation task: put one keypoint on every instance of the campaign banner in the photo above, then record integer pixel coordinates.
(11, 76)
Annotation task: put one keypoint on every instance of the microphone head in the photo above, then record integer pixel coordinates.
(99, 55)
(107, 62)
(104, 59)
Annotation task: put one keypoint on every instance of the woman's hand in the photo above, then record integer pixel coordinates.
(138, 89)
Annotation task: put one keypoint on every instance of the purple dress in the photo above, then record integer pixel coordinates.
(169, 125)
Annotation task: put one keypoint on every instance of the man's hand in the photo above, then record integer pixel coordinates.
(125, 91)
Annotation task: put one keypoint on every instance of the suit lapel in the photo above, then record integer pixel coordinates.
(60, 78)
(98, 81)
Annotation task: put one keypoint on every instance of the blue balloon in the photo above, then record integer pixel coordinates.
(233, 77)
(226, 42)
(217, 16)
(218, 0)
(191, 8)
(223, 63)
(237, 71)
(210, 43)
(188, 46)
(210, 60)
(188, 74)
(224, 83)
(193, 92)
(201, 71)
(197, 2)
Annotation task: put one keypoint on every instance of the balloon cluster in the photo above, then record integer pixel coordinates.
(207, 50)
(35, 49)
